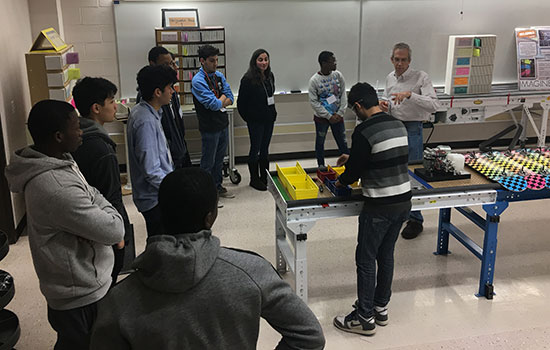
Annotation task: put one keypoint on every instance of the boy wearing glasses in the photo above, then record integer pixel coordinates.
(379, 156)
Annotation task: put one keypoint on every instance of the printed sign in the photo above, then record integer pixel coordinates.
(533, 58)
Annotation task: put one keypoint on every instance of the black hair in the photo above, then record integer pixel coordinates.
(88, 91)
(186, 196)
(364, 94)
(48, 117)
(254, 73)
(150, 78)
(206, 51)
(155, 52)
(324, 56)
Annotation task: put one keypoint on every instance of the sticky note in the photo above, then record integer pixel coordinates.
(462, 71)
(72, 58)
(464, 42)
(460, 81)
(463, 61)
(74, 73)
(477, 42)
(461, 90)
(467, 52)
(476, 52)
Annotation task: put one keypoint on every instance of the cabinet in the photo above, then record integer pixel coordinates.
(52, 74)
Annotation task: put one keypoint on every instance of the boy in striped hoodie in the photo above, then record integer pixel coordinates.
(379, 156)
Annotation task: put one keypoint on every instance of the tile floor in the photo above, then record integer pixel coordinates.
(433, 304)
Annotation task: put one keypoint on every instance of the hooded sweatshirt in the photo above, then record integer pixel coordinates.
(71, 228)
(190, 293)
(96, 159)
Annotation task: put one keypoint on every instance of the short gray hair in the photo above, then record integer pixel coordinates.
(402, 46)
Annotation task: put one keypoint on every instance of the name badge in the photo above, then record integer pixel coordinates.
(270, 100)
(331, 99)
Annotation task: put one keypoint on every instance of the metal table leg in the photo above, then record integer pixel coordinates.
(490, 248)
(442, 233)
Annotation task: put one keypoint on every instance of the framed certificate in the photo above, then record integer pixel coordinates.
(180, 18)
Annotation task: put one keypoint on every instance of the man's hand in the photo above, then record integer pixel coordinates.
(342, 159)
(384, 105)
(225, 101)
(120, 245)
(335, 118)
(401, 96)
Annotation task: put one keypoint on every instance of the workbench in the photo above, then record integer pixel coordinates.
(294, 219)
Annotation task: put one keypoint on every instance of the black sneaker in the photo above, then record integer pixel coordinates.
(355, 323)
(412, 230)
(381, 315)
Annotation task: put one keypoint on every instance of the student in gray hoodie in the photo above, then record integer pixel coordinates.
(188, 292)
(71, 227)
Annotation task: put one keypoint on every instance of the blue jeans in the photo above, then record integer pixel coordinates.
(416, 154)
(339, 133)
(260, 136)
(378, 232)
(214, 149)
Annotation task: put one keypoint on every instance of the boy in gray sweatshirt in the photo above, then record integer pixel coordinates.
(71, 226)
(188, 292)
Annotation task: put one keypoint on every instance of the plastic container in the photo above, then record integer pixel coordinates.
(329, 174)
(293, 170)
(337, 191)
(300, 186)
(339, 170)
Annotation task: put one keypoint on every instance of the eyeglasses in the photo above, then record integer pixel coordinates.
(354, 105)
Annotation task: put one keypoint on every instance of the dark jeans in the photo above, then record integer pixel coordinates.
(260, 136)
(378, 232)
(339, 133)
(214, 149)
(153, 221)
(73, 326)
(416, 154)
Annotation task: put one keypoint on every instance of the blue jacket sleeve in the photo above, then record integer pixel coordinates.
(204, 95)
(226, 89)
(147, 153)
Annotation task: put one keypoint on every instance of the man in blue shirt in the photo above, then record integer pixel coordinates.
(211, 94)
(148, 153)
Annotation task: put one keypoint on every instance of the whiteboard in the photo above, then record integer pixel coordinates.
(426, 25)
(361, 33)
(293, 32)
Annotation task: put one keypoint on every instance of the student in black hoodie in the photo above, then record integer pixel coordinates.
(256, 106)
(96, 157)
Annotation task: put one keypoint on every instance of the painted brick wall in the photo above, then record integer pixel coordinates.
(90, 26)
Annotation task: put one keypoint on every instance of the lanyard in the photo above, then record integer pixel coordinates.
(210, 84)
(272, 87)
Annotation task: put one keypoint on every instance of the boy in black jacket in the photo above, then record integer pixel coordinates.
(96, 157)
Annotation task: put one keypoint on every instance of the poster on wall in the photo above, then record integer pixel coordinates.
(533, 52)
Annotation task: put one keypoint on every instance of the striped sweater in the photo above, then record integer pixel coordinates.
(379, 156)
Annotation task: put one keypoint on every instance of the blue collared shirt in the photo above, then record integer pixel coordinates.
(148, 155)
